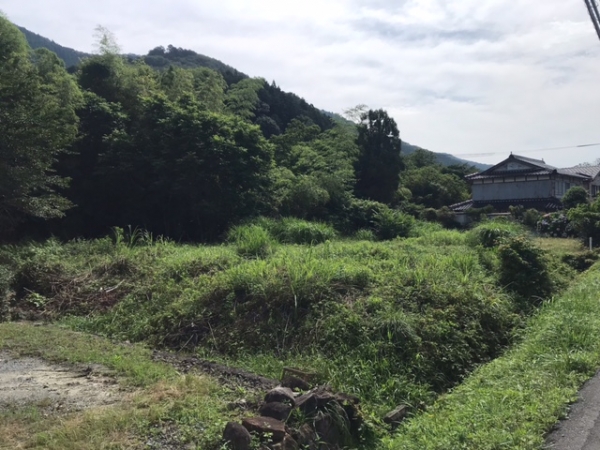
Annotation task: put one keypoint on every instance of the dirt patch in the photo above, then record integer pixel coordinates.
(32, 381)
(229, 376)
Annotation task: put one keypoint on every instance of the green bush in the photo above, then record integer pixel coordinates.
(429, 214)
(251, 240)
(296, 231)
(585, 222)
(360, 214)
(489, 234)
(390, 224)
(574, 197)
(524, 269)
(531, 218)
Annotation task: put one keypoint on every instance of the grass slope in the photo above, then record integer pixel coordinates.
(512, 402)
(392, 322)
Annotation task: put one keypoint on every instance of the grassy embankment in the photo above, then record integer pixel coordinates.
(512, 402)
(393, 322)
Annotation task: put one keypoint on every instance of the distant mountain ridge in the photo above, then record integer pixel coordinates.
(160, 58)
(68, 55)
(445, 159)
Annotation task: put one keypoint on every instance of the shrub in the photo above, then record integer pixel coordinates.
(524, 269)
(296, 231)
(531, 217)
(490, 233)
(251, 240)
(360, 214)
(390, 224)
(556, 225)
(574, 197)
(585, 222)
(446, 217)
(429, 214)
(517, 212)
(478, 214)
(580, 262)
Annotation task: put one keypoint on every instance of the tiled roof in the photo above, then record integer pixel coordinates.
(537, 162)
(462, 206)
(537, 167)
(542, 204)
(482, 175)
(590, 171)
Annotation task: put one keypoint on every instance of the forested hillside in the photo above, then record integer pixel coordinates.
(162, 58)
(189, 151)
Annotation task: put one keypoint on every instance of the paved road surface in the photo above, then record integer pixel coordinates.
(581, 430)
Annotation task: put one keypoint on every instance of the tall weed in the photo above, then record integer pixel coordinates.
(251, 240)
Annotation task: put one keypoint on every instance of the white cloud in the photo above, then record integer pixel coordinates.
(459, 76)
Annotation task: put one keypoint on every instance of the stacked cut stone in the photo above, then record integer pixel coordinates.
(314, 419)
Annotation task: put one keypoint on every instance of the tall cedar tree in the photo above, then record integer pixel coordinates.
(379, 163)
(37, 121)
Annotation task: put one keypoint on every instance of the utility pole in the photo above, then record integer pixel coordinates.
(594, 11)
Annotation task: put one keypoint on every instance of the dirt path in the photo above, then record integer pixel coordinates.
(229, 376)
(56, 388)
(581, 430)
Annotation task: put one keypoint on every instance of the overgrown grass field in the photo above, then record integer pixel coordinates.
(394, 322)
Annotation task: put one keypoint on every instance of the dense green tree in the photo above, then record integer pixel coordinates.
(242, 98)
(176, 83)
(37, 121)
(379, 163)
(182, 150)
(209, 89)
(102, 75)
(317, 175)
(185, 172)
(432, 188)
(98, 121)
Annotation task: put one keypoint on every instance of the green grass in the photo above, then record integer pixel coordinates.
(290, 230)
(393, 322)
(59, 344)
(156, 395)
(512, 402)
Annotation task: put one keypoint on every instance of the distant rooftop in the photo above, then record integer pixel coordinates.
(537, 162)
(589, 171)
(537, 167)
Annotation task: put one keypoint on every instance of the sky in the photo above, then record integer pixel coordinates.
(477, 79)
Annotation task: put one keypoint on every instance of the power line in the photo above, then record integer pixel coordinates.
(548, 149)
(592, 7)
